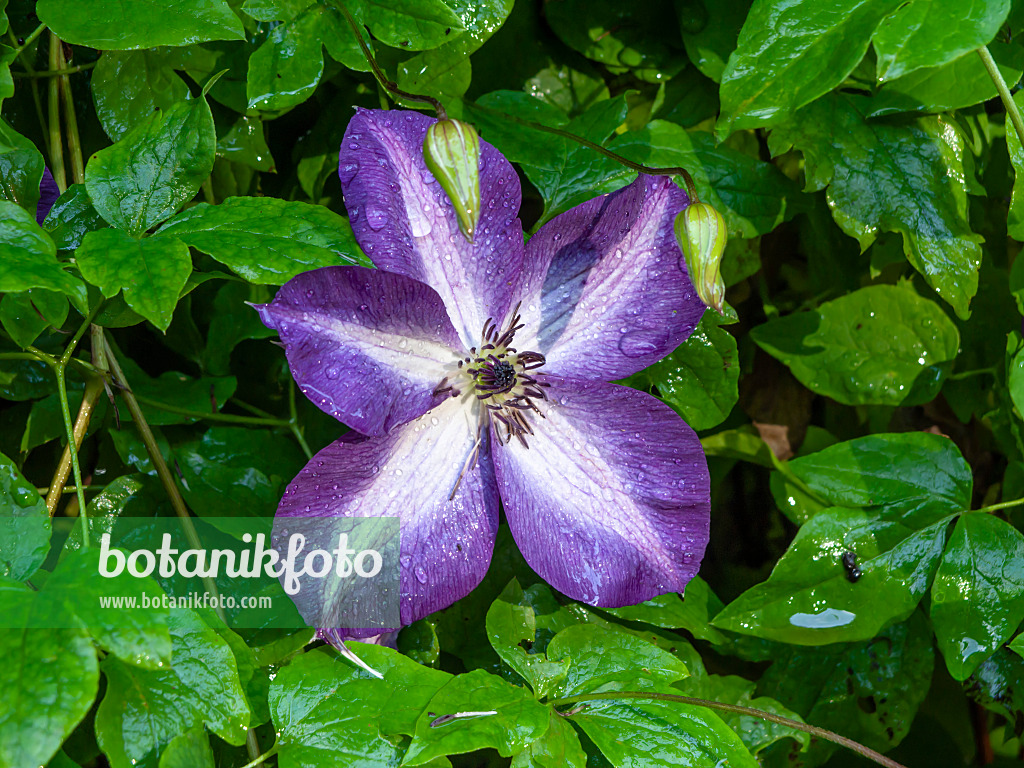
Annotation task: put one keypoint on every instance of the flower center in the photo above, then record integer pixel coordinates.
(503, 379)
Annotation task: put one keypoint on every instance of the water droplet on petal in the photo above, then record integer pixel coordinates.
(421, 575)
(376, 218)
(645, 341)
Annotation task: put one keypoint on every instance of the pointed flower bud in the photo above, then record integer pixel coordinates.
(702, 235)
(452, 153)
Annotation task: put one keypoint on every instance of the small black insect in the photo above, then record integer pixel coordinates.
(853, 573)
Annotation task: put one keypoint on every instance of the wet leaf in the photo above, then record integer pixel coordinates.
(415, 25)
(978, 595)
(71, 218)
(21, 169)
(882, 345)
(28, 257)
(24, 524)
(129, 86)
(26, 315)
(692, 611)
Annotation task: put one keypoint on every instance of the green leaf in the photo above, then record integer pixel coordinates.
(905, 177)
(512, 630)
(958, 84)
(445, 72)
(28, 257)
(559, 747)
(128, 87)
(710, 48)
(21, 169)
(599, 658)
(24, 524)
(691, 612)
(755, 732)
(190, 749)
(325, 711)
(791, 52)
(927, 34)
(1015, 218)
(164, 398)
(995, 685)
(72, 217)
(635, 733)
(143, 710)
(49, 679)
(245, 143)
(136, 636)
(131, 24)
(699, 379)
(517, 719)
(622, 36)
(284, 70)
(233, 321)
(151, 272)
(811, 598)
(881, 345)
(237, 472)
(913, 474)
(414, 25)
(868, 691)
(978, 595)
(154, 168)
(26, 315)
(293, 237)
(753, 196)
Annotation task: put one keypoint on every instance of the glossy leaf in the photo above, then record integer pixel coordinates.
(904, 177)
(49, 678)
(1015, 218)
(21, 168)
(699, 379)
(129, 86)
(926, 34)
(791, 52)
(131, 24)
(71, 218)
(881, 345)
(26, 315)
(692, 611)
(143, 710)
(24, 524)
(294, 237)
(913, 474)
(245, 143)
(512, 629)
(978, 595)
(28, 257)
(518, 719)
(559, 747)
(287, 67)
(709, 48)
(151, 272)
(814, 597)
(754, 196)
(414, 25)
(190, 749)
(154, 168)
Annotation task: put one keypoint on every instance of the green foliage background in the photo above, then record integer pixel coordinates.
(861, 398)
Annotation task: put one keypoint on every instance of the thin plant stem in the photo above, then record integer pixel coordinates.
(73, 489)
(56, 145)
(93, 388)
(814, 730)
(379, 73)
(691, 187)
(1001, 505)
(293, 421)
(55, 73)
(60, 369)
(70, 121)
(170, 487)
(1004, 92)
(969, 374)
(214, 416)
(28, 40)
(259, 759)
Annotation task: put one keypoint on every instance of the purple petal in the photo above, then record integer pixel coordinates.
(368, 347)
(609, 504)
(406, 224)
(607, 292)
(409, 473)
(48, 194)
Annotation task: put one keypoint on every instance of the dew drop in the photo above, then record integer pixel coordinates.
(376, 218)
(421, 575)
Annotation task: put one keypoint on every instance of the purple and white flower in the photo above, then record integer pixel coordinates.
(476, 375)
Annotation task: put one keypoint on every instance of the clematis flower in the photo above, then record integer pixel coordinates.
(477, 373)
(48, 194)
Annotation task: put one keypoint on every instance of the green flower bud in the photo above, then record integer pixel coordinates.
(702, 235)
(452, 153)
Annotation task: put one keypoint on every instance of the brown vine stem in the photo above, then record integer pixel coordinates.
(814, 730)
(93, 388)
(379, 73)
(167, 480)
